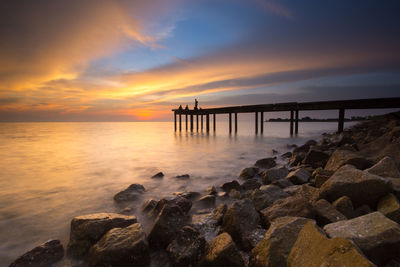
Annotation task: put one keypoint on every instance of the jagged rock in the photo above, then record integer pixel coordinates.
(183, 176)
(299, 176)
(266, 195)
(297, 158)
(170, 220)
(286, 155)
(133, 192)
(274, 249)
(183, 203)
(308, 192)
(149, 205)
(212, 190)
(208, 224)
(313, 248)
(207, 200)
(361, 186)
(227, 187)
(344, 206)
(282, 183)
(316, 158)
(386, 167)
(362, 210)
(158, 175)
(242, 222)
(219, 213)
(390, 207)
(86, 230)
(342, 157)
(304, 148)
(188, 195)
(377, 236)
(321, 176)
(292, 190)
(221, 252)
(274, 174)
(44, 255)
(266, 163)
(121, 247)
(250, 184)
(187, 248)
(326, 213)
(248, 173)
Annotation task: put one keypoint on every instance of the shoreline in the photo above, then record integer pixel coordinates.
(239, 214)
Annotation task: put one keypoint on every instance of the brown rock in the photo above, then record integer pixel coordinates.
(343, 157)
(390, 207)
(344, 206)
(248, 173)
(266, 163)
(386, 167)
(41, 256)
(316, 158)
(299, 176)
(326, 213)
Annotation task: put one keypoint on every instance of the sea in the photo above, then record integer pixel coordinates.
(51, 172)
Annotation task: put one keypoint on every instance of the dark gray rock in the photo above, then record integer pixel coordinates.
(183, 176)
(325, 213)
(266, 163)
(248, 173)
(41, 256)
(207, 200)
(250, 184)
(286, 155)
(133, 192)
(227, 187)
(316, 158)
(188, 195)
(274, 174)
(183, 203)
(266, 195)
(158, 175)
(297, 158)
(362, 210)
(282, 183)
(299, 176)
(149, 205)
(304, 148)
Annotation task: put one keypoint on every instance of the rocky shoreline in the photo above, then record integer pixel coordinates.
(332, 202)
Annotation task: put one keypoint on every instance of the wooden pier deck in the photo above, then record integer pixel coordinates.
(292, 107)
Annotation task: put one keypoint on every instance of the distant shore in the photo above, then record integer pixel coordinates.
(308, 119)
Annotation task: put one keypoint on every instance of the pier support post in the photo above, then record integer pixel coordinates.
(291, 122)
(214, 122)
(262, 122)
(175, 121)
(236, 125)
(186, 122)
(230, 123)
(197, 122)
(201, 118)
(256, 119)
(296, 124)
(208, 123)
(341, 120)
(191, 122)
(180, 122)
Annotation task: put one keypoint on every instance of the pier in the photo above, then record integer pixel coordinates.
(293, 107)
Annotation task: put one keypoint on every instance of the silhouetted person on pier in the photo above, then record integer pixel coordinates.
(186, 108)
(196, 103)
(180, 107)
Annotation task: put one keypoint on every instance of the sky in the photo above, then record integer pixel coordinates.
(131, 60)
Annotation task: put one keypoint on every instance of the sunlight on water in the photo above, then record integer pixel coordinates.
(51, 172)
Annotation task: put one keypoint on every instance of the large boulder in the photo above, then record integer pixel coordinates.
(187, 248)
(266, 163)
(133, 192)
(243, 223)
(228, 186)
(326, 213)
(167, 224)
(344, 206)
(222, 252)
(386, 167)
(266, 195)
(274, 249)
(304, 148)
(86, 230)
(299, 176)
(342, 157)
(321, 176)
(121, 247)
(41, 256)
(250, 184)
(297, 158)
(377, 236)
(390, 207)
(313, 248)
(361, 186)
(274, 174)
(182, 202)
(316, 158)
(248, 173)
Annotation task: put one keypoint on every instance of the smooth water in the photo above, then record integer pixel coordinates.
(51, 172)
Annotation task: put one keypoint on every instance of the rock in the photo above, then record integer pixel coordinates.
(222, 194)
(386, 167)
(206, 224)
(266, 163)
(266, 195)
(188, 195)
(282, 183)
(168, 223)
(297, 158)
(183, 176)
(222, 252)
(296, 206)
(86, 230)
(133, 192)
(207, 200)
(227, 187)
(219, 213)
(41, 256)
(292, 190)
(149, 205)
(316, 158)
(343, 157)
(309, 193)
(361, 186)
(235, 194)
(362, 210)
(121, 247)
(248, 173)
(274, 249)
(158, 175)
(321, 176)
(304, 148)
(183, 203)
(390, 207)
(344, 206)
(286, 155)
(377, 236)
(299, 176)
(274, 152)
(242, 222)
(313, 248)
(274, 174)
(250, 184)
(212, 190)
(187, 248)
(326, 213)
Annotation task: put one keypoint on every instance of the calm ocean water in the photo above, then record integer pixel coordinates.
(51, 172)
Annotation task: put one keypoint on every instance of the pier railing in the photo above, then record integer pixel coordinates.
(292, 107)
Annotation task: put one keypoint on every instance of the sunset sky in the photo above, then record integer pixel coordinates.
(128, 60)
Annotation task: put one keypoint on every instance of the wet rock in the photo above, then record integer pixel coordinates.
(266, 195)
(274, 249)
(386, 167)
(297, 158)
(133, 192)
(187, 248)
(212, 190)
(274, 152)
(286, 155)
(183, 176)
(304, 148)
(222, 251)
(219, 213)
(344, 206)
(390, 207)
(207, 200)
(44, 255)
(362, 210)
(325, 213)
(313, 248)
(274, 174)
(168, 223)
(149, 205)
(227, 187)
(340, 158)
(222, 194)
(242, 222)
(361, 186)
(321, 176)
(250, 184)
(299, 176)
(282, 183)
(377, 236)
(158, 175)
(235, 194)
(248, 173)
(183, 203)
(292, 190)
(266, 163)
(188, 195)
(206, 224)
(121, 247)
(86, 230)
(316, 158)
